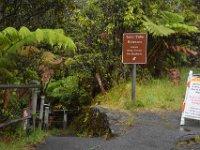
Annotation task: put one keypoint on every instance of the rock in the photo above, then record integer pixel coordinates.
(98, 121)
(93, 122)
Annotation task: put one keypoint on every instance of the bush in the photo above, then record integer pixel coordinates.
(67, 92)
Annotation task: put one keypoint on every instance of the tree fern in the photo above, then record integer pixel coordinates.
(24, 32)
(182, 28)
(176, 22)
(171, 18)
(22, 43)
(12, 34)
(157, 30)
(169, 23)
(13, 40)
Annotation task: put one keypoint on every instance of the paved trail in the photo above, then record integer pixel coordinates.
(151, 131)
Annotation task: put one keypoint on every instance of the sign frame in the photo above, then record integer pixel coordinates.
(144, 49)
(189, 107)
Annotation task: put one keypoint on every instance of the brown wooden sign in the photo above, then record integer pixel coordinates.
(134, 48)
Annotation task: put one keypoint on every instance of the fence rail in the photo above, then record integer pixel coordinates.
(13, 121)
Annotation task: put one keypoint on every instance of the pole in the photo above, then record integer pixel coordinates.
(64, 120)
(34, 106)
(41, 110)
(133, 81)
(46, 117)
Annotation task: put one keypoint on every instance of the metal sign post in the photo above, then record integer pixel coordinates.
(134, 52)
(133, 81)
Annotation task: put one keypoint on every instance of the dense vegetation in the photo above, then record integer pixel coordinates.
(64, 45)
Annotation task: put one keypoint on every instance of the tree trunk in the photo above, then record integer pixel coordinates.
(7, 96)
(100, 82)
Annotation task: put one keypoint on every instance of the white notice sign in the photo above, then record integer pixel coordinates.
(192, 105)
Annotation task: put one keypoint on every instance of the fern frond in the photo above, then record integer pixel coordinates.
(183, 28)
(39, 35)
(24, 32)
(12, 40)
(12, 34)
(157, 30)
(171, 17)
(4, 42)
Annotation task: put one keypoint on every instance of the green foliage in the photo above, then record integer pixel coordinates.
(67, 91)
(19, 140)
(97, 28)
(133, 15)
(170, 23)
(16, 39)
(157, 30)
(154, 94)
(49, 14)
(13, 43)
(171, 18)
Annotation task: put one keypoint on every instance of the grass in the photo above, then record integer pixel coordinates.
(21, 141)
(157, 94)
(188, 142)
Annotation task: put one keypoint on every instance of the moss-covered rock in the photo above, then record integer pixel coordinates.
(92, 122)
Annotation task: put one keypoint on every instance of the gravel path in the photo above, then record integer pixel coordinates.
(151, 131)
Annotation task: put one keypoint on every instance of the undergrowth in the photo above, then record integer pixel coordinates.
(21, 141)
(155, 94)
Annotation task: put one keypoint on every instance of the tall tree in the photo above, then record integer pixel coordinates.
(33, 14)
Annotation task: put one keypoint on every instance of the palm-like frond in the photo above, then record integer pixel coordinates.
(176, 22)
(170, 23)
(157, 30)
(182, 28)
(11, 39)
(171, 18)
(12, 34)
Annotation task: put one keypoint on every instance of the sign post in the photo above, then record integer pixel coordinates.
(133, 81)
(134, 52)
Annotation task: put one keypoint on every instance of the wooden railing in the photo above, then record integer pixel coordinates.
(44, 109)
(13, 121)
(32, 113)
